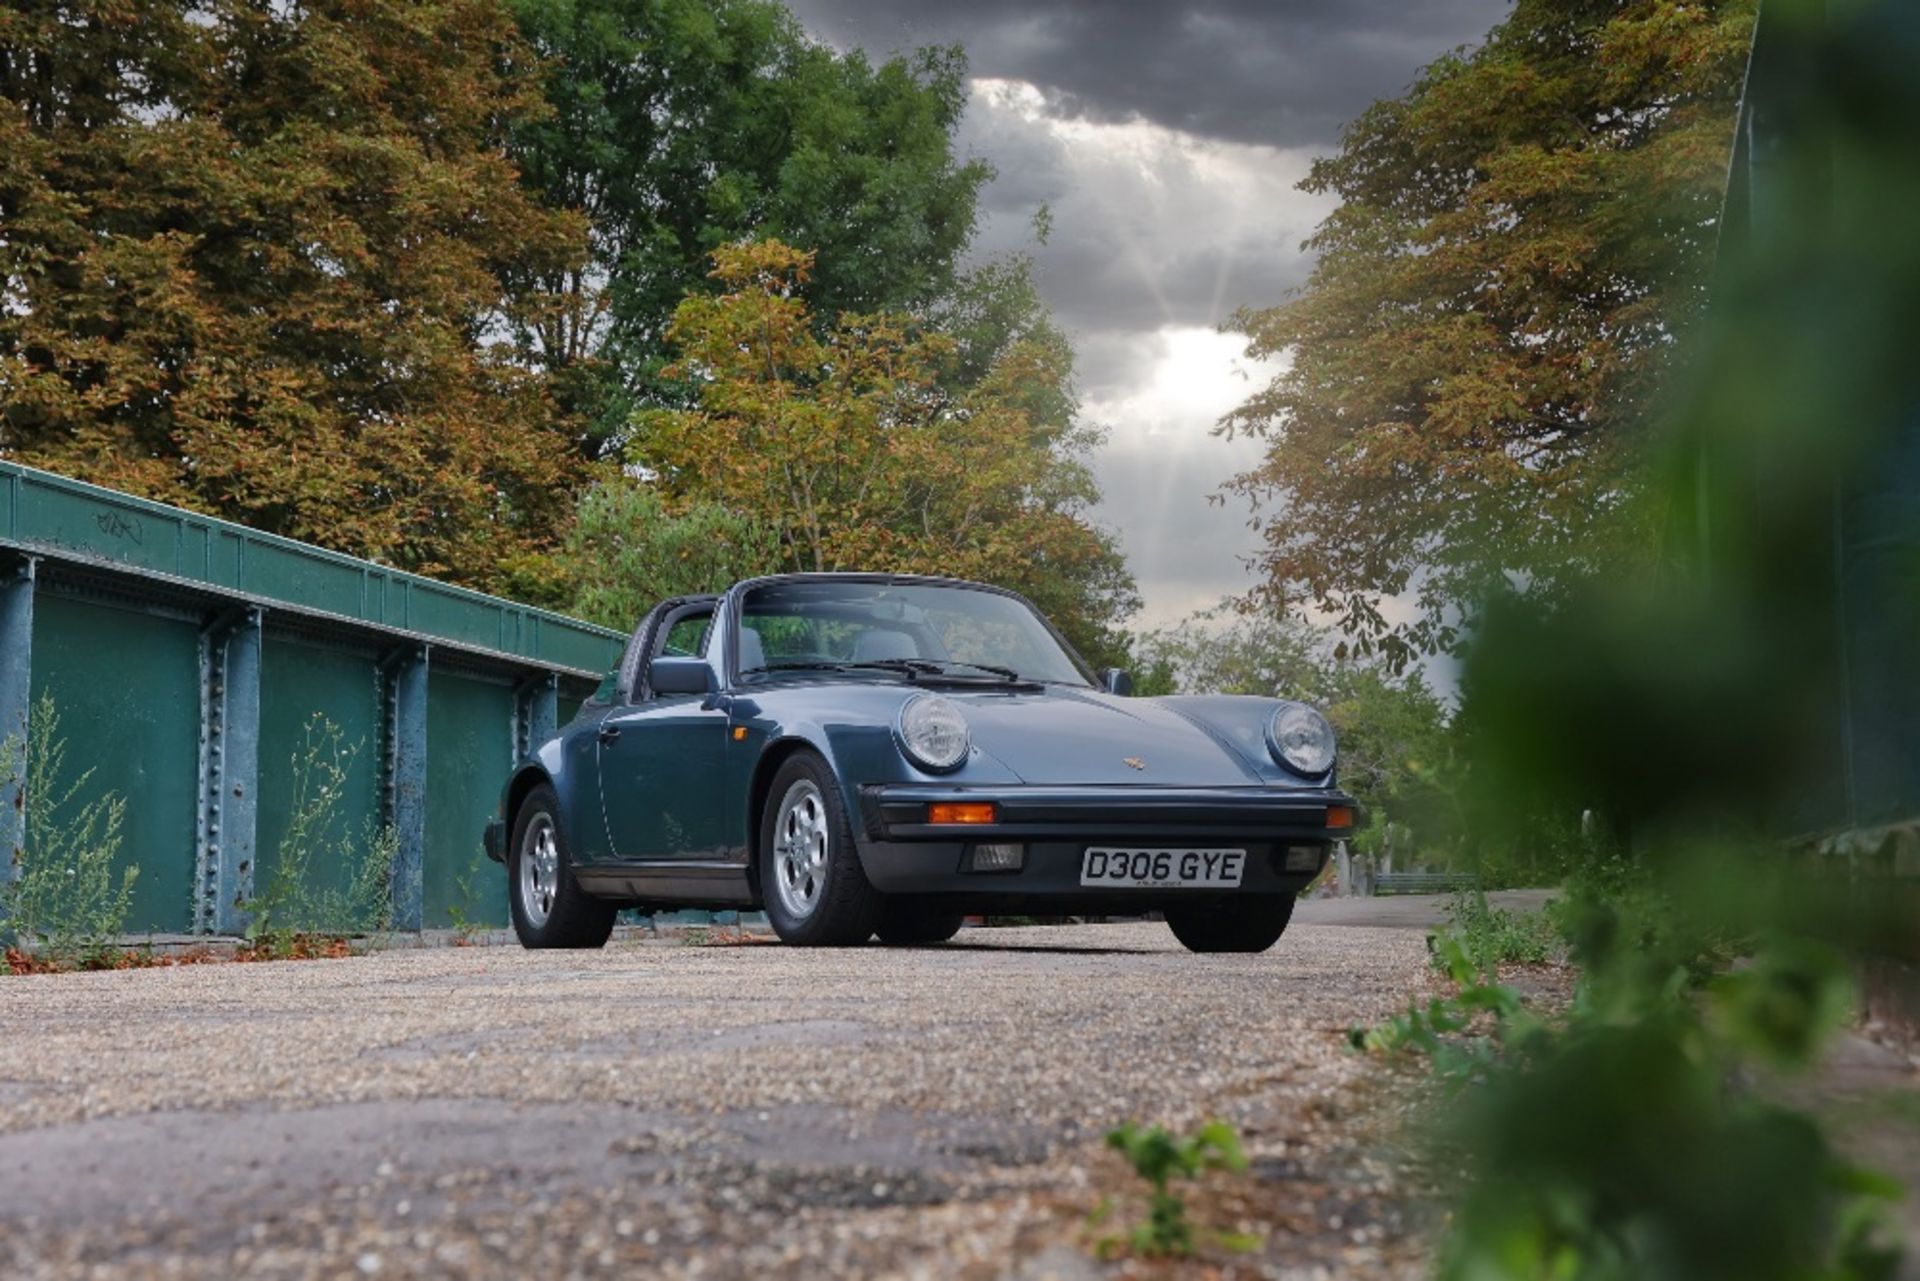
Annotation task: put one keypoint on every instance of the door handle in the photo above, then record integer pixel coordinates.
(608, 733)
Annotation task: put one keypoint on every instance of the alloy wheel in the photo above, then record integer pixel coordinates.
(539, 870)
(800, 849)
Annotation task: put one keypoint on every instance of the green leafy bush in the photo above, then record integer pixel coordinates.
(629, 550)
(64, 897)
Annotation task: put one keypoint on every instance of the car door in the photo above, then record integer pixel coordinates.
(661, 757)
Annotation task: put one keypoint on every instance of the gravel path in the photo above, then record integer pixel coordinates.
(685, 1111)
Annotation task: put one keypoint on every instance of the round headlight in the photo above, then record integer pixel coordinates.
(1301, 739)
(933, 732)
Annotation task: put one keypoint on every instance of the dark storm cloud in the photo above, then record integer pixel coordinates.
(1151, 226)
(1287, 73)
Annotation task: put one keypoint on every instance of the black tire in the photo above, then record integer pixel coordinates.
(906, 923)
(574, 918)
(833, 905)
(1251, 924)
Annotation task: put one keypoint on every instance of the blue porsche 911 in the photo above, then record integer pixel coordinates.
(867, 754)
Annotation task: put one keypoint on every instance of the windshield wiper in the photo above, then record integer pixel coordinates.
(911, 668)
(800, 665)
(937, 666)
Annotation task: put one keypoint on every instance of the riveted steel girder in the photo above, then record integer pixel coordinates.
(229, 770)
(406, 674)
(16, 701)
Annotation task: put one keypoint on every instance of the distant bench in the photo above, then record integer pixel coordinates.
(1424, 882)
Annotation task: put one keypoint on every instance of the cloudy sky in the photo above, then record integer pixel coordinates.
(1166, 137)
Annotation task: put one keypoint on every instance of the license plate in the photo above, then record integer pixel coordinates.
(1163, 869)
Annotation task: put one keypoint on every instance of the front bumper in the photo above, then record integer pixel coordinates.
(904, 854)
(494, 839)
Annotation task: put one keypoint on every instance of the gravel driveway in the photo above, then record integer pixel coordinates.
(681, 1110)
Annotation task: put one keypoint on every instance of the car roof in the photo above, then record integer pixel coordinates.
(862, 576)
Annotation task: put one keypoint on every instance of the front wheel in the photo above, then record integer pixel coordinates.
(811, 882)
(549, 907)
(1250, 924)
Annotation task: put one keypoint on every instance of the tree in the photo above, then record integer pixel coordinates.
(1519, 242)
(680, 126)
(628, 551)
(845, 442)
(1396, 742)
(255, 263)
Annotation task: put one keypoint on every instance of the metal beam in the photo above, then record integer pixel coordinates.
(539, 713)
(69, 522)
(407, 782)
(229, 771)
(16, 701)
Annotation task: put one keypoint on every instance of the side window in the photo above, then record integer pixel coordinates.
(686, 637)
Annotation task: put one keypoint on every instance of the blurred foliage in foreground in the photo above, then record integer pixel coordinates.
(1639, 1135)
(1628, 1140)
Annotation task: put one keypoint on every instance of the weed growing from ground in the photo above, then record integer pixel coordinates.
(461, 912)
(1160, 1157)
(290, 916)
(1461, 1034)
(1492, 936)
(63, 900)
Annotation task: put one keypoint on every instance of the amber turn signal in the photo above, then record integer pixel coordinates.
(961, 812)
(1339, 816)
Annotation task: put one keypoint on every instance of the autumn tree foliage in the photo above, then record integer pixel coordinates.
(845, 442)
(1520, 240)
(256, 260)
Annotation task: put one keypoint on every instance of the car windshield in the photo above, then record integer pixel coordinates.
(917, 628)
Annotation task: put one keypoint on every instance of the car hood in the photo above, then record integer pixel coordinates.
(1070, 737)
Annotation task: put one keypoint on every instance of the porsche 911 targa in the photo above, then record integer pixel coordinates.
(864, 754)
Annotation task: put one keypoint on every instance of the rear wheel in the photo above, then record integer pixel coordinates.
(906, 923)
(813, 887)
(1251, 924)
(549, 907)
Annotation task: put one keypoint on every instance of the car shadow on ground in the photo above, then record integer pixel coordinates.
(1038, 949)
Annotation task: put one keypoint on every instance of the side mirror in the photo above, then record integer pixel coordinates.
(1116, 680)
(682, 676)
